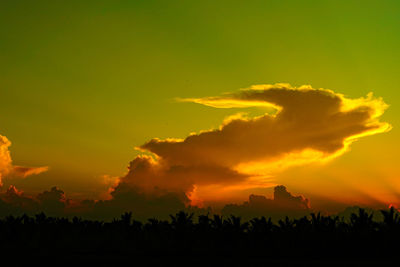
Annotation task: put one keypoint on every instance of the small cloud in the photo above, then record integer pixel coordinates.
(27, 171)
(52, 202)
(5, 158)
(283, 204)
(6, 166)
(14, 201)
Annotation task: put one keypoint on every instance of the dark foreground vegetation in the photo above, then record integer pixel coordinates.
(313, 238)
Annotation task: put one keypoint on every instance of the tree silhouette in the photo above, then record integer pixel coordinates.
(309, 236)
(390, 218)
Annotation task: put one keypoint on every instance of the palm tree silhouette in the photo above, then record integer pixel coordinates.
(390, 218)
(324, 236)
(126, 218)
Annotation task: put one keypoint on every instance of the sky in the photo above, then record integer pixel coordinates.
(84, 83)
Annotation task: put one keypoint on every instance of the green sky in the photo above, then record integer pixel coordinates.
(84, 82)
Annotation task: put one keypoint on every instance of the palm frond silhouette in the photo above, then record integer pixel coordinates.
(315, 234)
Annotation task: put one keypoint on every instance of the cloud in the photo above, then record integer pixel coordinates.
(52, 202)
(6, 166)
(300, 125)
(148, 174)
(14, 202)
(283, 204)
(309, 124)
(285, 199)
(5, 158)
(160, 203)
(27, 171)
(18, 202)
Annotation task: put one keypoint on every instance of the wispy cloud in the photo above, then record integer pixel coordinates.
(7, 169)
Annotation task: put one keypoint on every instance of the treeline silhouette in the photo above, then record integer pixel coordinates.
(311, 237)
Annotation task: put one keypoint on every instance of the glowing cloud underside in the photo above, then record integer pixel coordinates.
(309, 125)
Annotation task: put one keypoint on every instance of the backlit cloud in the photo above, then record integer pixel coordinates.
(300, 125)
(5, 158)
(6, 166)
(308, 124)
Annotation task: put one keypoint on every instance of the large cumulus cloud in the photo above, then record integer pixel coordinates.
(305, 125)
(6, 166)
(305, 119)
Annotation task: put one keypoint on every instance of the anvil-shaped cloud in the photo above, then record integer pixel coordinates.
(307, 125)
